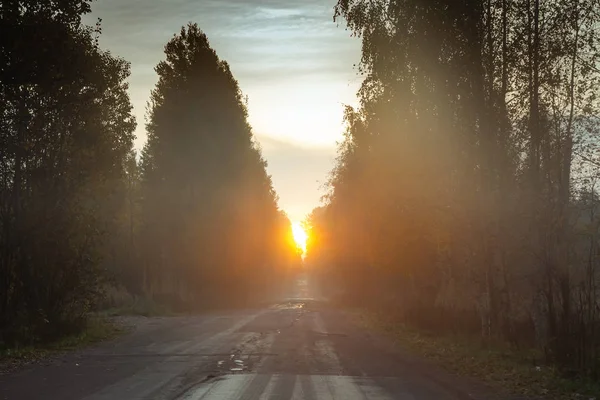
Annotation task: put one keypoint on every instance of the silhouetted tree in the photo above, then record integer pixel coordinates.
(210, 214)
(65, 132)
(452, 198)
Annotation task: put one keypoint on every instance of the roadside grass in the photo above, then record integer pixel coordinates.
(97, 329)
(146, 307)
(138, 306)
(504, 368)
(118, 302)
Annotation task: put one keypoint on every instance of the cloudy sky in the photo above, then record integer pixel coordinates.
(290, 58)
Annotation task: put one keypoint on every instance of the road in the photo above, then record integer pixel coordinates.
(300, 348)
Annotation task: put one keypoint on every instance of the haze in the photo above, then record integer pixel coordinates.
(455, 255)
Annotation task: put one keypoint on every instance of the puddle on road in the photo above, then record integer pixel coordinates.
(331, 334)
(235, 363)
(291, 305)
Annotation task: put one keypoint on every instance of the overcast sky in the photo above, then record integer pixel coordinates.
(290, 58)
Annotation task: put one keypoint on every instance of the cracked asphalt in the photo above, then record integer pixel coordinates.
(300, 348)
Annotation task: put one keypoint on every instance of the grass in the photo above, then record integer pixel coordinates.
(97, 329)
(138, 306)
(496, 364)
(119, 302)
(141, 306)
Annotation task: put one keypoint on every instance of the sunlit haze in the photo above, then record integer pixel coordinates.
(290, 58)
(176, 177)
(300, 236)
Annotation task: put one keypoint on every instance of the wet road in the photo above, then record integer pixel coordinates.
(299, 349)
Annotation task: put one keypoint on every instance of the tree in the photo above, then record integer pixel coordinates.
(209, 210)
(455, 175)
(65, 132)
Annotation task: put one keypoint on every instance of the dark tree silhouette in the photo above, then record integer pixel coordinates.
(454, 199)
(210, 216)
(65, 132)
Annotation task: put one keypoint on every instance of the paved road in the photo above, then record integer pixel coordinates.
(299, 349)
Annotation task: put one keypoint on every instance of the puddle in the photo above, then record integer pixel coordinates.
(235, 363)
(330, 334)
(290, 305)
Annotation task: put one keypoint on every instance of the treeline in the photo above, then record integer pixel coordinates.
(464, 196)
(192, 220)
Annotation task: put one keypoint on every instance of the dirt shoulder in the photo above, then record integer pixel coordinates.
(517, 373)
(98, 330)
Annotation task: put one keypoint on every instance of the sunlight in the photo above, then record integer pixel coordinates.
(313, 108)
(300, 235)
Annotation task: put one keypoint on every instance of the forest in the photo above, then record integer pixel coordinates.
(191, 221)
(464, 198)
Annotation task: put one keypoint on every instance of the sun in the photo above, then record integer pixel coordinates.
(300, 235)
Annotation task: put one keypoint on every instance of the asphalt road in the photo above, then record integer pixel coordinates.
(299, 348)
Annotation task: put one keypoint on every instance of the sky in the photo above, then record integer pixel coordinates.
(290, 58)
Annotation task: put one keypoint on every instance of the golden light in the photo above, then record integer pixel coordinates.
(300, 235)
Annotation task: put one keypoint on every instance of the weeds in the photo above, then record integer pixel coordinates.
(502, 367)
(97, 329)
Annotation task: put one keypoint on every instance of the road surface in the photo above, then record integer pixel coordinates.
(299, 348)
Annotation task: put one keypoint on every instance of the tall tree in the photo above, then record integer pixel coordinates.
(209, 209)
(65, 131)
(455, 175)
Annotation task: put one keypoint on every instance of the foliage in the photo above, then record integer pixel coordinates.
(65, 131)
(96, 329)
(209, 213)
(459, 193)
(80, 216)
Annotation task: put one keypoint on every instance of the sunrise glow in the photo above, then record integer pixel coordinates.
(300, 235)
